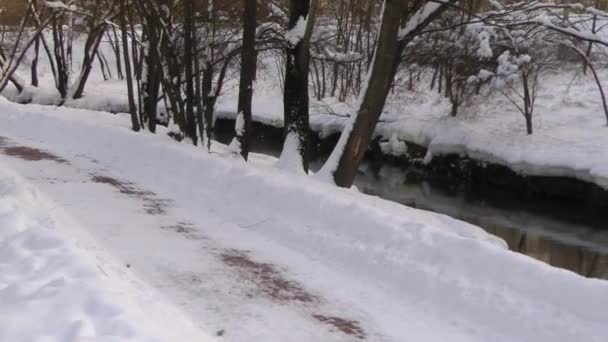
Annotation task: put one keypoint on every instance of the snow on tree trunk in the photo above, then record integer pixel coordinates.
(295, 95)
(239, 128)
(291, 158)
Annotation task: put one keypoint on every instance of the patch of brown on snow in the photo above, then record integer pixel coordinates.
(348, 327)
(184, 228)
(268, 280)
(152, 204)
(27, 153)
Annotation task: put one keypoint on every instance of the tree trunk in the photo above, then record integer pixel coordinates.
(374, 95)
(188, 61)
(34, 68)
(529, 127)
(295, 95)
(248, 70)
(127, 60)
(391, 43)
(208, 102)
(90, 50)
(151, 78)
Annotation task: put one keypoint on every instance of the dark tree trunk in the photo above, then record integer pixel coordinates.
(198, 95)
(529, 127)
(34, 67)
(127, 60)
(248, 70)
(379, 82)
(528, 102)
(188, 61)
(295, 95)
(103, 64)
(208, 101)
(90, 50)
(58, 50)
(151, 81)
(116, 48)
(381, 74)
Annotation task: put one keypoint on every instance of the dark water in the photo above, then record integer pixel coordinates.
(575, 243)
(561, 234)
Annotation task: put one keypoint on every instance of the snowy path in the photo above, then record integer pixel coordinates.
(225, 289)
(253, 254)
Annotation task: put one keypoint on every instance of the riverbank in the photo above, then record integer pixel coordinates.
(450, 170)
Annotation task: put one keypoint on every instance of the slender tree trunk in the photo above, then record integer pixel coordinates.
(90, 50)
(116, 48)
(208, 101)
(188, 61)
(151, 78)
(127, 60)
(34, 68)
(248, 70)
(198, 94)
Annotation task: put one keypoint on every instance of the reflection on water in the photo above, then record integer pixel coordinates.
(574, 246)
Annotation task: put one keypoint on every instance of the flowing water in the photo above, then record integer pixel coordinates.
(574, 241)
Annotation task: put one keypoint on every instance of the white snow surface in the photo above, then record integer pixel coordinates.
(402, 273)
(570, 137)
(570, 129)
(52, 290)
(296, 34)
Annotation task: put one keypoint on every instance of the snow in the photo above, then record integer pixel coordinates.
(51, 290)
(239, 128)
(394, 147)
(421, 15)
(57, 5)
(174, 211)
(570, 127)
(569, 140)
(296, 34)
(484, 45)
(402, 273)
(290, 159)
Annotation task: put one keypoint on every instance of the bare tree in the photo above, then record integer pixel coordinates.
(127, 60)
(248, 70)
(398, 28)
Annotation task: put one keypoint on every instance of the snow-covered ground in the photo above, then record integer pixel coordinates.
(253, 253)
(570, 138)
(52, 290)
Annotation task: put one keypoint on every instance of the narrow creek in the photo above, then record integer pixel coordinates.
(561, 234)
(539, 230)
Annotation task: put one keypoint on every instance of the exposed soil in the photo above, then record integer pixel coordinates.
(152, 204)
(268, 280)
(348, 327)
